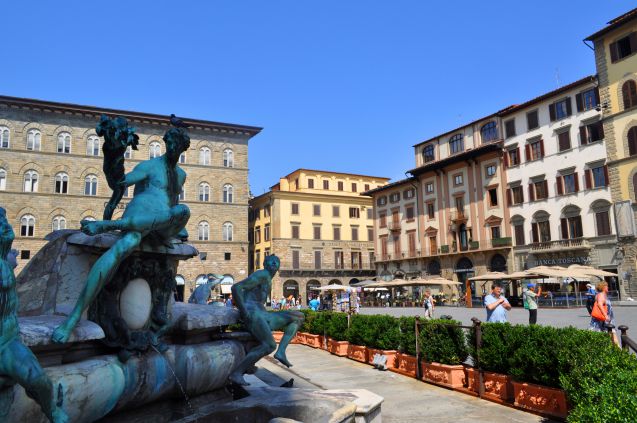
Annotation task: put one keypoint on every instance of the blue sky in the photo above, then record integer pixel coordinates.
(337, 85)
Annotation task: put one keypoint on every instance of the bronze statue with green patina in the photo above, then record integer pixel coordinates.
(250, 295)
(154, 215)
(17, 362)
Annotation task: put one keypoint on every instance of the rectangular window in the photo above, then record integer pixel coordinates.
(513, 157)
(356, 260)
(509, 128)
(564, 140)
(336, 211)
(340, 186)
(266, 211)
(296, 231)
(383, 247)
(493, 197)
(517, 195)
(460, 204)
(266, 232)
(25, 254)
(316, 210)
(591, 133)
(317, 232)
(396, 241)
(571, 227)
(317, 259)
(541, 190)
(366, 187)
(433, 245)
(354, 187)
(354, 212)
(354, 233)
(586, 100)
(457, 180)
(560, 109)
(382, 218)
(599, 177)
(495, 232)
(395, 197)
(370, 233)
(310, 183)
(545, 231)
(257, 259)
(409, 213)
(372, 259)
(429, 187)
(295, 208)
(536, 150)
(370, 213)
(257, 235)
(603, 223)
(532, 120)
(296, 259)
(490, 171)
(338, 260)
(623, 47)
(411, 238)
(519, 234)
(326, 184)
(431, 210)
(337, 233)
(570, 183)
(227, 256)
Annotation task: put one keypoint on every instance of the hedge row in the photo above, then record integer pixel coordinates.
(599, 379)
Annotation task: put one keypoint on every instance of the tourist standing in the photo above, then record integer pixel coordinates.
(428, 304)
(530, 302)
(314, 304)
(496, 305)
(590, 297)
(229, 301)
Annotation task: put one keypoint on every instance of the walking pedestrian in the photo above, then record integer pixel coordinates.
(530, 302)
(602, 313)
(496, 305)
(428, 304)
(590, 297)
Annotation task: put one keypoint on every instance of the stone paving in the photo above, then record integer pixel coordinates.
(406, 399)
(558, 317)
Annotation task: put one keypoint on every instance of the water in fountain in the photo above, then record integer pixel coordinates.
(181, 387)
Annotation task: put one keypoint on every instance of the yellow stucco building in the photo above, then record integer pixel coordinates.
(319, 225)
(616, 59)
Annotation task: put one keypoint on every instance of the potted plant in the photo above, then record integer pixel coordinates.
(382, 338)
(405, 359)
(444, 350)
(356, 335)
(337, 329)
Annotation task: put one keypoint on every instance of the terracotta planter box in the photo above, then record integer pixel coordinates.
(404, 364)
(323, 342)
(540, 399)
(300, 337)
(277, 336)
(312, 340)
(449, 376)
(357, 352)
(389, 354)
(496, 386)
(338, 348)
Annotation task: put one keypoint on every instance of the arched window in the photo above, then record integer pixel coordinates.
(90, 185)
(489, 132)
(129, 152)
(33, 140)
(227, 231)
(629, 94)
(601, 210)
(632, 141)
(541, 227)
(428, 153)
(27, 225)
(571, 222)
(228, 158)
(227, 193)
(456, 144)
(89, 219)
(31, 179)
(61, 183)
(93, 146)
(204, 192)
(203, 232)
(3, 179)
(4, 137)
(154, 150)
(59, 223)
(204, 156)
(182, 158)
(64, 143)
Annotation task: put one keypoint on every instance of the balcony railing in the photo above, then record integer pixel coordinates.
(458, 216)
(501, 242)
(393, 226)
(474, 245)
(444, 249)
(563, 244)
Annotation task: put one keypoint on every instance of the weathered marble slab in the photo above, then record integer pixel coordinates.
(190, 317)
(96, 387)
(37, 330)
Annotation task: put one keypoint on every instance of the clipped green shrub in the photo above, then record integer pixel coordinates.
(318, 326)
(384, 333)
(359, 330)
(309, 316)
(443, 344)
(336, 327)
(407, 340)
(496, 346)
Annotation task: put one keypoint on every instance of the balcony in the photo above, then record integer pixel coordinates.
(501, 242)
(444, 249)
(561, 245)
(393, 226)
(458, 216)
(474, 245)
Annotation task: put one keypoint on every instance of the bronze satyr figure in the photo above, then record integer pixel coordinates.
(250, 295)
(154, 214)
(17, 362)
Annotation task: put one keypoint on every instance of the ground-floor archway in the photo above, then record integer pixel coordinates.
(310, 290)
(464, 270)
(336, 281)
(498, 263)
(291, 287)
(354, 280)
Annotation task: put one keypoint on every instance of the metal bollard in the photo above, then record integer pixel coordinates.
(477, 326)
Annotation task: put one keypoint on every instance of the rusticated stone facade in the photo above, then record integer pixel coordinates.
(217, 158)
